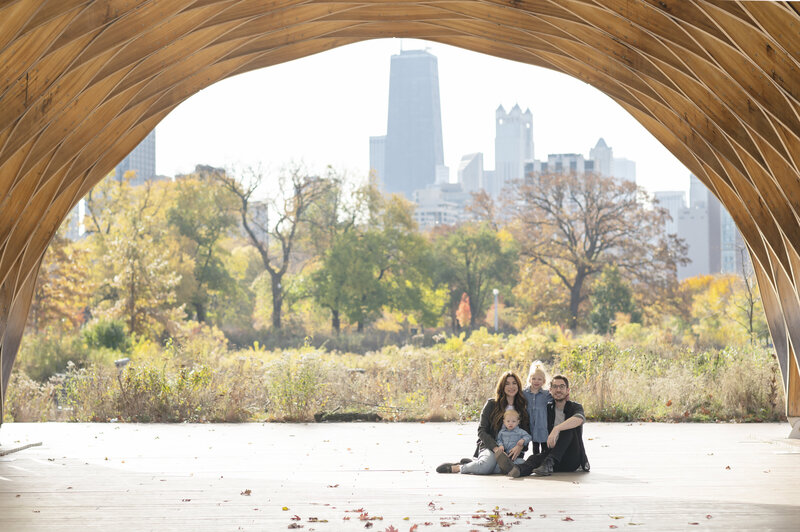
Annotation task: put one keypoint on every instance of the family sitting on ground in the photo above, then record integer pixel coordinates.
(545, 419)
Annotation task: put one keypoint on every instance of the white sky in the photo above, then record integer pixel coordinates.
(322, 110)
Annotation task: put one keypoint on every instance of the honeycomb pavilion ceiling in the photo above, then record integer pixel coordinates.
(717, 82)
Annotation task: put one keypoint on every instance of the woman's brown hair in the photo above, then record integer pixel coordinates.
(501, 401)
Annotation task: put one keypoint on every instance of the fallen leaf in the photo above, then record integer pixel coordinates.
(391, 528)
(617, 516)
(568, 518)
(694, 523)
(413, 528)
(669, 402)
(613, 526)
(333, 485)
(727, 467)
(295, 525)
(368, 524)
(295, 518)
(709, 516)
(248, 492)
(185, 500)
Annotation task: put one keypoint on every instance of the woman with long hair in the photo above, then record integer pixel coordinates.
(490, 457)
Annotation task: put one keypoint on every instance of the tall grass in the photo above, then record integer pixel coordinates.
(199, 379)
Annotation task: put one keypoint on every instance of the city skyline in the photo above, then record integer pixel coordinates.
(297, 111)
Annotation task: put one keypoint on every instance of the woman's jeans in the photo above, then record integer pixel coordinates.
(485, 464)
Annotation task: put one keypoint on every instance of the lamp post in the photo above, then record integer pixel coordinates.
(495, 292)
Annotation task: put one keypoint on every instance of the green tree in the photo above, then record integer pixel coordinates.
(275, 227)
(475, 259)
(203, 212)
(611, 295)
(379, 263)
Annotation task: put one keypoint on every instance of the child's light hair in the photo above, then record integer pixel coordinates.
(510, 412)
(537, 368)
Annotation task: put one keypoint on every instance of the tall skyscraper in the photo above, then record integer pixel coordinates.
(377, 157)
(141, 160)
(513, 146)
(414, 146)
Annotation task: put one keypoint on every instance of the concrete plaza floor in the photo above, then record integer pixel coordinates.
(357, 476)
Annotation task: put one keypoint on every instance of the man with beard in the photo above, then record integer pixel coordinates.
(565, 441)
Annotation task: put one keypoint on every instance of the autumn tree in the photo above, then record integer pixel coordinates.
(63, 287)
(577, 225)
(463, 313)
(136, 260)
(273, 227)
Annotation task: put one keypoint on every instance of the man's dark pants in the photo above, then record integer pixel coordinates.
(566, 453)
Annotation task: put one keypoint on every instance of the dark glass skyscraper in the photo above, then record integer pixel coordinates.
(414, 130)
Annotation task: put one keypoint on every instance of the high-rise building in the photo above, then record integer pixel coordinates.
(513, 146)
(603, 158)
(674, 201)
(693, 227)
(715, 244)
(142, 161)
(566, 163)
(470, 172)
(440, 204)
(623, 169)
(377, 157)
(414, 146)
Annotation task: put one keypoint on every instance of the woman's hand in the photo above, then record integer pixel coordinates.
(498, 448)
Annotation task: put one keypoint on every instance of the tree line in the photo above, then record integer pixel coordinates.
(320, 255)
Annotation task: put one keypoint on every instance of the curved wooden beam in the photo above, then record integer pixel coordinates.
(717, 82)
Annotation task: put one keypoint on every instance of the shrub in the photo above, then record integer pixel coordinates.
(107, 334)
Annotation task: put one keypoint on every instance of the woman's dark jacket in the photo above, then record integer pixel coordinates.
(487, 433)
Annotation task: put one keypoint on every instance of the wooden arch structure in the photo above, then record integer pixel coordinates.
(717, 82)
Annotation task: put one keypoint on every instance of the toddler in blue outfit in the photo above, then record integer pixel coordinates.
(537, 398)
(511, 435)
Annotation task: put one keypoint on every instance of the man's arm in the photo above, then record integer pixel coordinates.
(574, 421)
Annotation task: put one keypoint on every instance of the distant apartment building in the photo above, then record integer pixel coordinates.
(624, 169)
(603, 158)
(674, 201)
(413, 147)
(440, 204)
(470, 172)
(565, 163)
(141, 161)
